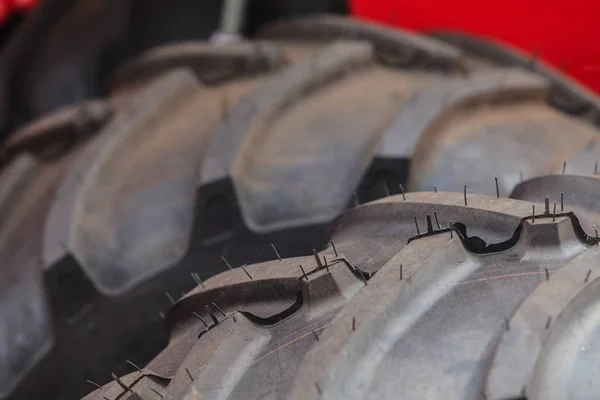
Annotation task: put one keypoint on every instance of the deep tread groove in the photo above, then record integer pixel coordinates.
(478, 246)
(276, 318)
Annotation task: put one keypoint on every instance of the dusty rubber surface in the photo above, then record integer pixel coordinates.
(200, 152)
(460, 299)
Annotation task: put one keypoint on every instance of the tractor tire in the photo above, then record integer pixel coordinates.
(202, 157)
(421, 296)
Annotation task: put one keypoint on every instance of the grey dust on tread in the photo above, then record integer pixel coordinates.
(393, 47)
(25, 325)
(277, 140)
(566, 93)
(441, 297)
(124, 211)
(211, 64)
(101, 221)
(53, 135)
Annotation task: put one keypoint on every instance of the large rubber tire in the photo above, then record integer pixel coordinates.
(250, 151)
(490, 298)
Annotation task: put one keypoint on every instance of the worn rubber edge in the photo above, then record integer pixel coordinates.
(24, 316)
(517, 210)
(211, 64)
(430, 106)
(65, 231)
(393, 46)
(569, 95)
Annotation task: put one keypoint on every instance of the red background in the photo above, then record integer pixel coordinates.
(563, 33)
(8, 7)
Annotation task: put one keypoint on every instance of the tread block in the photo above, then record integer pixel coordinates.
(302, 166)
(25, 325)
(61, 128)
(346, 337)
(583, 162)
(239, 348)
(510, 141)
(142, 385)
(233, 350)
(428, 108)
(369, 235)
(394, 47)
(125, 207)
(211, 64)
(568, 363)
(282, 89)
(531, 324)
(277, 141)
(14, 181)
(444, 310)
(579, 192)
(433, 257)
(566, 93)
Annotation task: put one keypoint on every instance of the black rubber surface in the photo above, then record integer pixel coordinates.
(480, 297)
(251, 151)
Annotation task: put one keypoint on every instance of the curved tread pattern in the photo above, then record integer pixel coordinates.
(303, 136)
(355, 343)
(568, 363)
(269, 136)
(511, 142)
(25, 325)
(124, 210)
(105, 198)
(532, 323)
(566, 93)
(324, 289)
(428, 108)
(14, 181)
(368, 235)
(465, 296)
(578, 192)
(393, 47)
(64, 127)
(279, 91)
(211, 64)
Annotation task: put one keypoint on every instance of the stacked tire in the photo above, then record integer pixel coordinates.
(253, 154)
